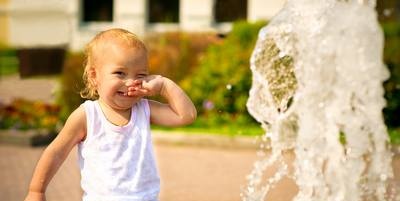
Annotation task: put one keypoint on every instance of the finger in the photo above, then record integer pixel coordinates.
(131, 89)
(135, 87)
(139, 92)
(142, 92)
(137, 82)
(132, 93)
(133, 83)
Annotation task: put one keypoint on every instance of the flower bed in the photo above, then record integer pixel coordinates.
(28, 122)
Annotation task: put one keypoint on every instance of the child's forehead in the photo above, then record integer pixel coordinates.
(120, 53)
(115, 47)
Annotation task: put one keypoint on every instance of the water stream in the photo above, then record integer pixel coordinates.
(317, 91)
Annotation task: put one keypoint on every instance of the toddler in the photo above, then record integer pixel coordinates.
(112, 129)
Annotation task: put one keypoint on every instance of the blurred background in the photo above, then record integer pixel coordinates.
(204, 45)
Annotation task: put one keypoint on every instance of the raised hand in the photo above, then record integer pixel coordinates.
(151, 85)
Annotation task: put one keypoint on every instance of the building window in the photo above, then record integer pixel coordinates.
(97, 10)
(230, 10)
(164, 11)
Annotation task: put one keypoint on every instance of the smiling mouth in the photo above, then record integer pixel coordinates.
(121, 93)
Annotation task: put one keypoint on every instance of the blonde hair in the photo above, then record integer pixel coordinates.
(114, 36)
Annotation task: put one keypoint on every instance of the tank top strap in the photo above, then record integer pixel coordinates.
(91, 118)
(144, 106)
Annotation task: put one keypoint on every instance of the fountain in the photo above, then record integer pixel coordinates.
(317, 91)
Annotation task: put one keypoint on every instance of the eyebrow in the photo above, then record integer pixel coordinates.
(122, 68)
(119, 68)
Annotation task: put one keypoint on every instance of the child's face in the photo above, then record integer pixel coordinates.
(117, 68)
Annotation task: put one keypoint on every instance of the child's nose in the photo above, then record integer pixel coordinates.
(129, 82)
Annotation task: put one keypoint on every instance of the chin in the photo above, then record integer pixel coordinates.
(127, 103)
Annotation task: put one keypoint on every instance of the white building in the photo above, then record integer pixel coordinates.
(74, 22)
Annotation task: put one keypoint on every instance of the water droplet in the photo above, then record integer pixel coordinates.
(281, 54)
(387, 12)
(383, 177)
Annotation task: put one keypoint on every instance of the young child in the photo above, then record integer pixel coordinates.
(112, 130)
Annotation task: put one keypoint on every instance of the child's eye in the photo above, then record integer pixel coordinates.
(119, 73)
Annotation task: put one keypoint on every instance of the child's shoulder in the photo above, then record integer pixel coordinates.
(79, 114)
(76, 124)
(77, 119)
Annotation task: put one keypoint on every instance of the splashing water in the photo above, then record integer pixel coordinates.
(317, 91)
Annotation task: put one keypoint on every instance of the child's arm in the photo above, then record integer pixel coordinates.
(54, 155)
(178, 111)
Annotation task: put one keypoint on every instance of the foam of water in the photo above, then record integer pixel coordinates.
(317, 91)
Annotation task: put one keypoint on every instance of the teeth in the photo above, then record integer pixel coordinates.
(123, 93)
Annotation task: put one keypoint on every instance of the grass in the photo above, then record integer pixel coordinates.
(394, 135)
(8, 62)
(7, 69)
(224, 130)
(251, 130)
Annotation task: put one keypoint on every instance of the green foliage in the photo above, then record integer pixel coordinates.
(394, 135)
(219, 86)
(8, 60)
(71, 83)
(175, 54)
(392, 85)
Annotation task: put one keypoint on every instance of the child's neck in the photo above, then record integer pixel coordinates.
(116, 117)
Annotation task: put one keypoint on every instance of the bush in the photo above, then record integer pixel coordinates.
(175, 54)
(392, 85)
(219, 86)
(71, 83)
(394, 135)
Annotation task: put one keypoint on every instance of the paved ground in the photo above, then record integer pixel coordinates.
(188, 173)
(12, 87)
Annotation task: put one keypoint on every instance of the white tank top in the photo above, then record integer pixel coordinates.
(117, 162)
